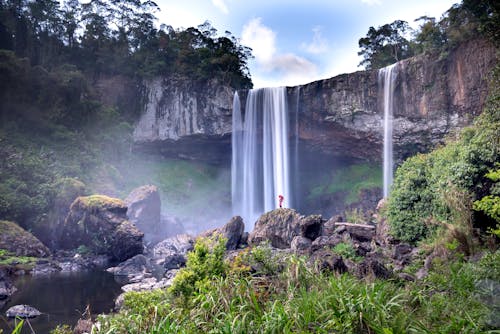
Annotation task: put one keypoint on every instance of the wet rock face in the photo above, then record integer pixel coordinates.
(186, 121)
(341, 116)
(100, 224)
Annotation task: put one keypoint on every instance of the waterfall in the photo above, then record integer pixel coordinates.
(387, 78)
(260, 166)
(237, 157)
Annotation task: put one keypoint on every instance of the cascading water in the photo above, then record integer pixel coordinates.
(386, 79)
(260, 166)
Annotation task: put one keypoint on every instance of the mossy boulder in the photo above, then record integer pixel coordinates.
(20, 242)
(280, 226)
(100, 223)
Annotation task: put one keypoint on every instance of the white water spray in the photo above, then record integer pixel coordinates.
(387, 78)
(260, 166)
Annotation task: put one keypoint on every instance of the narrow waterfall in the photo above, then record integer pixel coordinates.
(386, 79)
(260, 166)
(237, 156)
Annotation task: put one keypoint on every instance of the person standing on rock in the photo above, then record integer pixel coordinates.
(280, 199)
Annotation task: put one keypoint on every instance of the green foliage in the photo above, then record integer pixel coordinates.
(62, 329)
(385, 45)
(346, 250)
(204, 263)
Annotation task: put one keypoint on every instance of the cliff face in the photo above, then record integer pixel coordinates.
(341, 116)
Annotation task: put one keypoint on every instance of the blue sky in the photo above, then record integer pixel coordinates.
(296, 42)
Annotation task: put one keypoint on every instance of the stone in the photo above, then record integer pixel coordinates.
(144, 210)
(20, 242)
(7, 289)
(300, 243)
(402, 252)
(232, 231)
(133, 268)
(171, 252)
(22, 311)
(371, 267)
(281, 225)
(326, 260)
(100, 223)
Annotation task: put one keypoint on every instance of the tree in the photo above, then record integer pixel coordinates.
(430, 35)
(385, 45)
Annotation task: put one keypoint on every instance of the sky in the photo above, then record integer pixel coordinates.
(298, 41)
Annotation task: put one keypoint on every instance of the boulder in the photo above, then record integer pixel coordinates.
(22, 311)
(171, 252)
(100, 224)
(144, 210)
(132, 269)
(370, 267)
(6, 286)
(280, 226)
(232, 231)
(20, 242)
(300, 243)
(326, 260)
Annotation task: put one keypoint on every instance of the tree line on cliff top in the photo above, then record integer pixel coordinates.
(395, 41)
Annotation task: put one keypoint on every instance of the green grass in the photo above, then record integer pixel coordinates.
(9, 259)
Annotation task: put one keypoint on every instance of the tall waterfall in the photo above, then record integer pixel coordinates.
(260, 166)
(387, 78)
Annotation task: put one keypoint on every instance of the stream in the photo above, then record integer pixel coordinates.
(62, 298)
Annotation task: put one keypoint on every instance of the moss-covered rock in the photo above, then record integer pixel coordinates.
(100, 223)
(20, 242)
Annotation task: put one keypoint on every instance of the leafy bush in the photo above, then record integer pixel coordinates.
(205, 262)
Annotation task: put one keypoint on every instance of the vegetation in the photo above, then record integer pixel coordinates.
(299, 299)
(438, 189)
(392, 42)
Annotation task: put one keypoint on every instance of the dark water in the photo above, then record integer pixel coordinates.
(62, 298)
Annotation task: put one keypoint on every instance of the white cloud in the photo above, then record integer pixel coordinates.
(221, 5)
(261, 39)
(287, 69)
(372, 2)
(318, 44)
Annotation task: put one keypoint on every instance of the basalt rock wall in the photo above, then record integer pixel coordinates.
(341, 116)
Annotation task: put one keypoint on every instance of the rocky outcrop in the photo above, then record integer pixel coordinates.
(22, 311)
(340, 116)
(100, 224)
(184, 120)
(20, 242)
(232, 231)
(171, 252)
(144, 211)
(282, 225)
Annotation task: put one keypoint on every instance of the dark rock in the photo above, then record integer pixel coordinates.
(83, 326)
(171, 252)
(326, 241)
(402, 252)
(100, 223)
(371, 267)
(136, 267)
(143, 210)
(300, 243)
(326, 260)
(45, 269)
(6, 286)
(311, 226)
(329, 227)
(362, 248)
(174, 261)
(280, 226)
(20, 242)
(22, 311)
(361, 232)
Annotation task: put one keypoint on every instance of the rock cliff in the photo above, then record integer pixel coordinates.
(341, 116)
